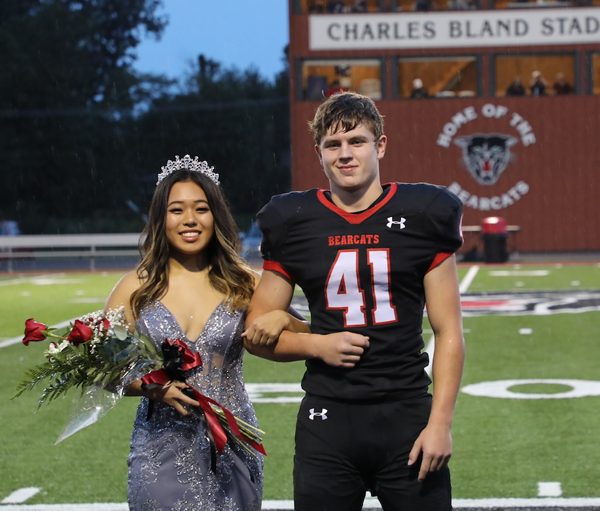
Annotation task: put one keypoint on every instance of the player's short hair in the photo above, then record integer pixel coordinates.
(344, 112)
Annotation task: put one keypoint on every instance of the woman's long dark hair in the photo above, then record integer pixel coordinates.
(227, 271)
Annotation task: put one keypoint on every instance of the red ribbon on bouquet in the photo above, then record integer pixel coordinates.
(191, 360)
(176, 361)
(213, 422)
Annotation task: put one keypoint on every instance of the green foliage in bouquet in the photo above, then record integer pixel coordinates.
(96, 350)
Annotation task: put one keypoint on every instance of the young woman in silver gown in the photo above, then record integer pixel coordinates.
(192, 285)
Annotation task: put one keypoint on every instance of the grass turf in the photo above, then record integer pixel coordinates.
(502, 447)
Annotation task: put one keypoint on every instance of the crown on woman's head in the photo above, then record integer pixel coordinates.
(187, 163)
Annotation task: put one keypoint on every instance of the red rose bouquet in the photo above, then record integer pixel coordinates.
(99, 355)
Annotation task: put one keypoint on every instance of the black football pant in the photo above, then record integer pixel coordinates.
(344, 449)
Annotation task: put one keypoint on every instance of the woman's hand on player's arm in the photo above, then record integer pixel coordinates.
(266, 329)
(444, 314)
(274, 293)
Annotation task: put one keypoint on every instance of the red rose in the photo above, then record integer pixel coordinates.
(80, 333)
(106, 324)
(34, 331)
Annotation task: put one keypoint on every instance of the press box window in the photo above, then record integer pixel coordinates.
(323, 78)
(535, 75)
(437, 77)
(337, 6)
(533, 4)
(434, 5)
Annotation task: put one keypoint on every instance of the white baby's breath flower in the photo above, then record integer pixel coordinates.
(53, 348)
(117, 316)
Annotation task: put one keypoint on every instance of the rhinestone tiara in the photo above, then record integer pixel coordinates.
(187, 163)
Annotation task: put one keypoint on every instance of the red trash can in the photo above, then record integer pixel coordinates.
(495, 239)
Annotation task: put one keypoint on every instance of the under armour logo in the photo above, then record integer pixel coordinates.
(393, 222)
(314, 414)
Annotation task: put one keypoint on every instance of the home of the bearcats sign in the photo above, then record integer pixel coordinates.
(486, 155)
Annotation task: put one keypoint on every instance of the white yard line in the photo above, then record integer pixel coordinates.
(370, 503)
(121, 506)
(563, 503)
(23, 280)
(21, 495)
(468, 279)
(16, 340)
(462, 287)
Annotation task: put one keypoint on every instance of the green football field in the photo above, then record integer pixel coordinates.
(537, 326)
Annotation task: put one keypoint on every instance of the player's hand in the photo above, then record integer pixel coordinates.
(266, 329)
(342, 349)
(171, 394)
(435, 442)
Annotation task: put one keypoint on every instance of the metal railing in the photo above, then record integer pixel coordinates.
(68, 245)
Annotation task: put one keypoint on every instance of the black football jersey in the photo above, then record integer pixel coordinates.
(363, 272)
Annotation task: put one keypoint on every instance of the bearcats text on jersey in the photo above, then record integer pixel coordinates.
(356, 239)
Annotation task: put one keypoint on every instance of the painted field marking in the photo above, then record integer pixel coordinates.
(501, 389)
(546, 502)
(39, 280)
(24, 280)
(462, 288)
(525, 331)
(519, 273)
(549, 489)
(257, 391)
(109, 506)
(53, 281)
(468, 279)
(14, 282)
(21, 495)
(370, 503)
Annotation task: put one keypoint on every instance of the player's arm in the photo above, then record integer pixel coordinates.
(444, 313)
(266, 328)
(274, 293)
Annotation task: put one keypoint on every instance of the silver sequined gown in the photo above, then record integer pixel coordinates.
(169, 463)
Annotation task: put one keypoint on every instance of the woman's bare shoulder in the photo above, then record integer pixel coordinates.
(130, 281)
(123, 290)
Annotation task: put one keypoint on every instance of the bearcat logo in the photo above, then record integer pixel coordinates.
(486, 156)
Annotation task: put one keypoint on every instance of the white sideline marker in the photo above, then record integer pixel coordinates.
(520, 273)
(21, 495)
(549, 489)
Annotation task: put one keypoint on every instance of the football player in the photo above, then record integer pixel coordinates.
(368, 257)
